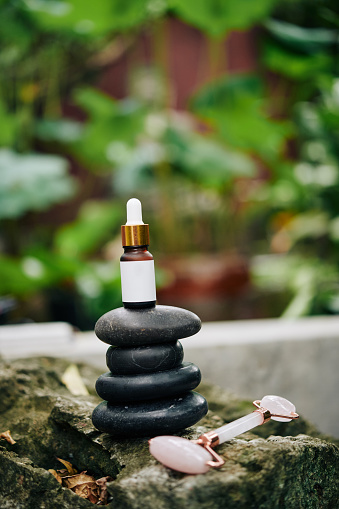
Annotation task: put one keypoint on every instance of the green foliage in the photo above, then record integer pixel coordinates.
(217, 17)
(303, 40)
(297, 66)
(184, 154)
(88, 18)
(62, 130)
(32, 182)
(312, 282)
(109, 122)
(303, 13)
(236, 108)
(95, 225)
(34, 270)
(206, 161)
(51, 50)
(99, 286)
(312, 182)
(13, 279)
(302, 199)
(8, 123)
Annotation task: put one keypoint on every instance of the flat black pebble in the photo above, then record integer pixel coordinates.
(165, 416)
(144, 359)
(157, 325)
(162, 384)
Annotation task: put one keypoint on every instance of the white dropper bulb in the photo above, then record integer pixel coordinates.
(134, 212)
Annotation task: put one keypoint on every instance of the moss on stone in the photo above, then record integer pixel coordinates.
(293, 468)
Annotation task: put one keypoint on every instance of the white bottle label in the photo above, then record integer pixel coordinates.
(138, 281)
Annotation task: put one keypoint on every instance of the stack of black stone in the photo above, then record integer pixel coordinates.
(149, 389)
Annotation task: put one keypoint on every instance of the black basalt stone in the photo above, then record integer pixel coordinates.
(162, 384)
(144, 359)
(148, 419)
(157, 325)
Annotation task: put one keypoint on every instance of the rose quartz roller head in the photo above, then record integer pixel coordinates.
(197, 456)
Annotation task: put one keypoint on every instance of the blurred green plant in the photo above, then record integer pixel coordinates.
(301, 198)
(237, 109)
(154, 150)
(32, 182)
(48, 48)
(217, 17)
(51, 51)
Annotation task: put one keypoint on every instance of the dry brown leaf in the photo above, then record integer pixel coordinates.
(73, 480)
(87, 490)
(81, 490)
(102, 485)
(63, 472)
(7, 436)
(56, 475)
(70, 469)
(93, 495)
(73, 381)
(82, 484)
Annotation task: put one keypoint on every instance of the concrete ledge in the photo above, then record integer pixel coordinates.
(296, 359)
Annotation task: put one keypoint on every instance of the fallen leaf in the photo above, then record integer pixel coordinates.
(83, 484)
(73, 480)
(102, 484)
(56, 475)
(73, 381)
(7, 436)
(63, 472)
(93, 496)
(70, 469)
(87, 490)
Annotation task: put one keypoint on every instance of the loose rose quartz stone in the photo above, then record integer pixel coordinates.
(180, 454)
(278, 405)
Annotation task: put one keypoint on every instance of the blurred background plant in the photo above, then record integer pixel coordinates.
(222, 117)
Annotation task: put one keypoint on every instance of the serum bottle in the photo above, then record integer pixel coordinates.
(137, 263)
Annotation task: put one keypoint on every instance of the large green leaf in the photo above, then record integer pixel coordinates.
(109, 122)
(32, 182)
(96, 224)
(95, 102)
(217, 17)
(296, 65)
(236, 108)
(87, 17)
(206, 161)
(228, 91)
(307, 40)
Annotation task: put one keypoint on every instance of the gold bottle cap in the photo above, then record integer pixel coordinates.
(134, 232)
(135, 235)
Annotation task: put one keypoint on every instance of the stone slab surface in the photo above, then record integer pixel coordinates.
(276, 466)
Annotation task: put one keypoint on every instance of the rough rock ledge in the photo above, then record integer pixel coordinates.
(263, 469)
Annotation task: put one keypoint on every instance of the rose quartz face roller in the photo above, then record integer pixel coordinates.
(197, 456)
